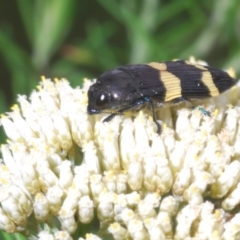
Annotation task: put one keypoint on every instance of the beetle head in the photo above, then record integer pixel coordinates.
(111, 92)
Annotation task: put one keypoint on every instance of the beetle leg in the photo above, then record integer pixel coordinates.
(139, 102)
(203, 111)
(178, 100)
(110, 117)
(159, 130)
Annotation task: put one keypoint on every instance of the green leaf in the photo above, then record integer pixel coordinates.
(19, 64)
(52, 20)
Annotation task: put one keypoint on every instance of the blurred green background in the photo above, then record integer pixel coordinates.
(76, 39)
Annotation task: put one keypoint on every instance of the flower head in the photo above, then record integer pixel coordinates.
(62, 165)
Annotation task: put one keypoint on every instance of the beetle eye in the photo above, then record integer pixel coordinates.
(102, 101)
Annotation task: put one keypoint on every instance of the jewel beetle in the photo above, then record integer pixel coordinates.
(130, 87)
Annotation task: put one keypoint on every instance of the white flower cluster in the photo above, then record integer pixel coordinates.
(61, 165)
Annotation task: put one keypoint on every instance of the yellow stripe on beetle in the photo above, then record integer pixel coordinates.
(208, 81)
(159, 66)
(169, 80)
(172, 85)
